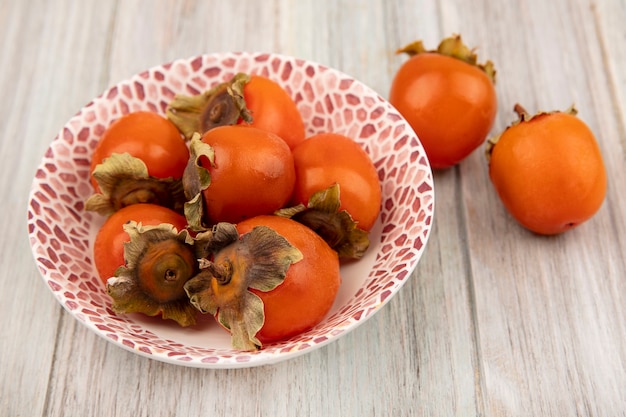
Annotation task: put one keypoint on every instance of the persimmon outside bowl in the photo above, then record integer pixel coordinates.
(61, 232)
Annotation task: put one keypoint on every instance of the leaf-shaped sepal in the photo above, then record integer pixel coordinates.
(222, 105)
(159, 260)
(454, 47)
(124, 180)
(336, 227)
(196, 179)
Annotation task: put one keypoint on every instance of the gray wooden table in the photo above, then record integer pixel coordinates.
(495, 321)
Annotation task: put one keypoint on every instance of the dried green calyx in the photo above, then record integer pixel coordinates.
(453, 47)
(258, 260)
(159, 261)
(124, 180)
(336, 227)
(522, 117)
(222, 105)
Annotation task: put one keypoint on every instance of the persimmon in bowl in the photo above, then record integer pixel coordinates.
(62, 232)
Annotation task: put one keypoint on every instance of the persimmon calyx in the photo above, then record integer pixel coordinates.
(257, 260)
(454, 47)
(213, 240)
(196, 179)
(222, 105)
(522, 117)
(336, 227)
(159, 260)
(124, 180)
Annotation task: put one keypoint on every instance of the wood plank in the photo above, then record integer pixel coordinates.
(545, 307)
(40, 93)
(609, 17)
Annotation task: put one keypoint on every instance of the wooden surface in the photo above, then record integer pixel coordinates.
(495, 321)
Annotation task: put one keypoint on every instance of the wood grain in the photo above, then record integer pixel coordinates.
(495, 321)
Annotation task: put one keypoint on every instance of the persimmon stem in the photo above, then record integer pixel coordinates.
(520, 111)
(222, 272)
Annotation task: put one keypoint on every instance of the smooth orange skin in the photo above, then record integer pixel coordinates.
(449, 103)
(274, 110)
(310, 286)
(253, 173)
(328, 158)
(109, 243)
(147, 136)
(549, 173)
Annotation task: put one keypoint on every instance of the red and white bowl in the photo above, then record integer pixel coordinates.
(61, 232)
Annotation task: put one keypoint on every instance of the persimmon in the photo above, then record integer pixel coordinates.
(245, 99)
(310, 286)
(447, 98)
(109, 241)
(140, 158)
(548, 171)
(236, 172)
(325, 159)
(277, 280)
(337, 192)
(159, 260)
(144, 256)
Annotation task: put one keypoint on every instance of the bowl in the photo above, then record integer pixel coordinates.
(62, 233)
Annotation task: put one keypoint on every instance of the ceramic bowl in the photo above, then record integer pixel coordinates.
(61, 232)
